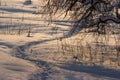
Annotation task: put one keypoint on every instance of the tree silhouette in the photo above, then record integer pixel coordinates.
(97, 14)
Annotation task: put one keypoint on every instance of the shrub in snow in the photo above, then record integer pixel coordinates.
(27, 2)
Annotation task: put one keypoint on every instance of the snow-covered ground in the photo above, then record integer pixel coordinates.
(37, 57)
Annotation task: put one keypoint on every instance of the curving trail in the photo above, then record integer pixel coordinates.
(21, 52)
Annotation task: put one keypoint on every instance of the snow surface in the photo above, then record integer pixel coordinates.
(36, 57)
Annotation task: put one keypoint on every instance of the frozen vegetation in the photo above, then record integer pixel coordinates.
(34, 48)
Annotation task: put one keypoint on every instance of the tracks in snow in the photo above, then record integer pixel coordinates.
(21, 52)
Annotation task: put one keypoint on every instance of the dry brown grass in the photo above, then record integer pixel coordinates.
(99, 53)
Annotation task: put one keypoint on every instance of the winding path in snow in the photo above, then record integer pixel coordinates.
(21, 52)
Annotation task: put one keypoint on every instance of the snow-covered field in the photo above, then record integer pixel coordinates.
(37, 57)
